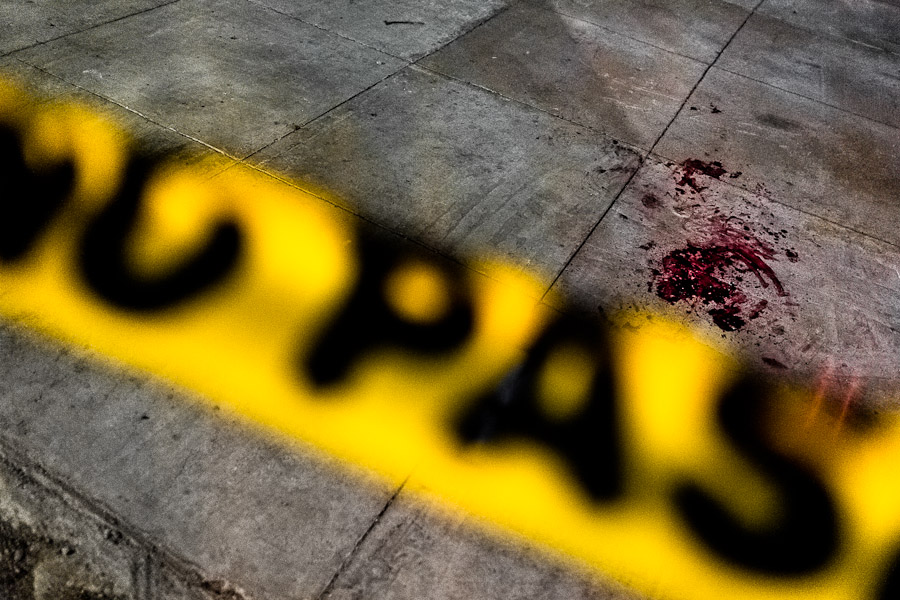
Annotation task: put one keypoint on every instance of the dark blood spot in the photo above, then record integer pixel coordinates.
(757, 310)
(650, 201)
(715, 109)
(692, 167)
(774, 363)
(792, 256)
(727, 318)
(708, 275)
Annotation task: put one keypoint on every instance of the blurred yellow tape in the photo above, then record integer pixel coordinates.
(636, 448)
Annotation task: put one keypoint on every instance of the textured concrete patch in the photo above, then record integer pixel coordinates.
(872, 22)
(272, 520)
(52, 547)
(57, 545)
(28, 22)
(418, 551)
(625, 88)
(232, 74)
(408, 29)
(794, 293)
(695, 28)
(460, 170)
(807, 155)
(838, 72)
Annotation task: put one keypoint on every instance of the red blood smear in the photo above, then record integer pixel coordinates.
(708, 271)
(691, 167)
(700, 274)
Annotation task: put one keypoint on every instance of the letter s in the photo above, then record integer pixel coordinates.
(803, 538)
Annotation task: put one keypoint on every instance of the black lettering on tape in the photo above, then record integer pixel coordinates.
(589, 439)
(369, 320)
(29, 199)
(889, 588)
(105, 267)
(805, 534)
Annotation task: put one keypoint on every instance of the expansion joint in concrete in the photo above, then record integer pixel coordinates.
(149, 559)
(90, 27)
(356, 547)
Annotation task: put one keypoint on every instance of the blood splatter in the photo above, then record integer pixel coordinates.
(708, 272)
(758, 309)
(692, 167)
(706, 275)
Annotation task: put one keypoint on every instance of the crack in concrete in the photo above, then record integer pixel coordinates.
(329, 587)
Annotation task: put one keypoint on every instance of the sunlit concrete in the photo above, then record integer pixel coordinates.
(548, 132)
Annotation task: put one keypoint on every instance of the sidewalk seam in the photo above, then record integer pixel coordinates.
(644, 158)
(151, 552)
(89, 27)
(356, 547)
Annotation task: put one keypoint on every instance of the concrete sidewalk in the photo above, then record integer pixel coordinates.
(602, 145)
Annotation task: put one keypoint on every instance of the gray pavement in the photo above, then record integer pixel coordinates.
(557, 134)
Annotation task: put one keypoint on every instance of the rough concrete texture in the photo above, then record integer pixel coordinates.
(193, 65)
(698, 29)
(35, 21)
(627, 89)
(838, 72)
(197, 483)
(408, 29)
(555, 133)
(871, 22)
(397, 562)
(57, 545)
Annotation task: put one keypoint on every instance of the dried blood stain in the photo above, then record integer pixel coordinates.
(692, 167)
(708, 273)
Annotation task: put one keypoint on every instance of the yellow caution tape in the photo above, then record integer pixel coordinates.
(637, 448)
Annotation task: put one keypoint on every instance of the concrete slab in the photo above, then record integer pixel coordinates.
(793, 293)
(209, 509)
(624, 88)
(748, 4)
(871, 22)
(50, 549)
(244, 512)
(152, 138)
(838, 72)
(459, 169)
(418, 551)
(28, 23)
(805, 154)
(698, 29)
(408, 29)
(228, 72)
(56, 545)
